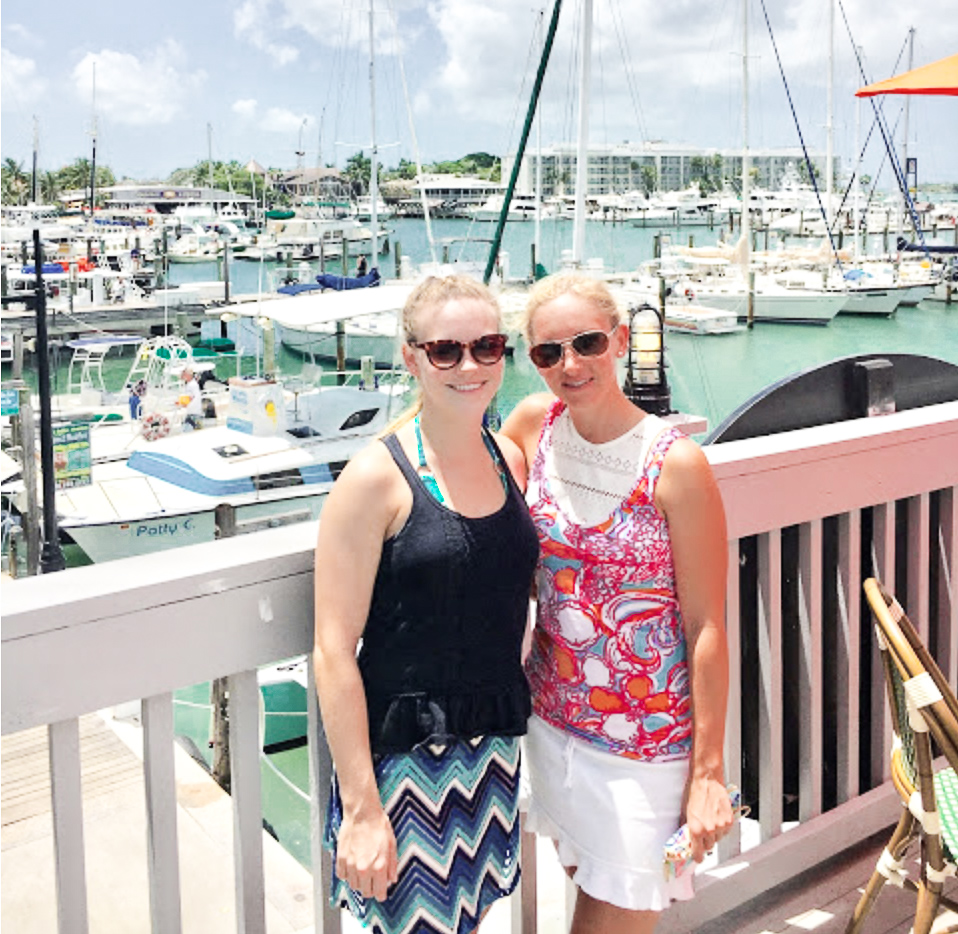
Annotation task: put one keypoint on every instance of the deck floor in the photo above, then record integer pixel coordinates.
(113, 797)
(822, 900)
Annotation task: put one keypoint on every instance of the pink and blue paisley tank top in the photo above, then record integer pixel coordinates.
(608, 660)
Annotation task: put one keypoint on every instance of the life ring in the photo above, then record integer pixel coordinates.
(155, 425)
(690, 295)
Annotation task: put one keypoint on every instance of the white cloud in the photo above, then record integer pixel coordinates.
(143, 91)
(254, 21)
(280, 120)
(486, 48)
(245, 108)
(22, 33)
(22, 85)
(273, 25)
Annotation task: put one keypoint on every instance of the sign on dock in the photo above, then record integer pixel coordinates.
(71, 455)
(9, 401)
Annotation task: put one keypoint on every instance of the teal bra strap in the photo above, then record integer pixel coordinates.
(429, 481)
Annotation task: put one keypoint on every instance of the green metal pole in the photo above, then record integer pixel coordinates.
(530, 115)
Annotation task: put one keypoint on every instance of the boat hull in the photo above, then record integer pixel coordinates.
(872, 302)
(786, 309)
(110, 541)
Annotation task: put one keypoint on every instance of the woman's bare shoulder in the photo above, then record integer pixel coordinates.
(368, 485)
(525, 420)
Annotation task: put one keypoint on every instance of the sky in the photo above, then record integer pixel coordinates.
(286, 82)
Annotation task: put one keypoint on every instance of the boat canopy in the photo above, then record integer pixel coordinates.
(303, 312)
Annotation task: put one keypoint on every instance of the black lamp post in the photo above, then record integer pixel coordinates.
(51, 555)
(645, 382)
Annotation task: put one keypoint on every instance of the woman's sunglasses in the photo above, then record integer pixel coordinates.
(586, 344)
(444, 355)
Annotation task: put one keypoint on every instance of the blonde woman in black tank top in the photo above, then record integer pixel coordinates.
(425, 557)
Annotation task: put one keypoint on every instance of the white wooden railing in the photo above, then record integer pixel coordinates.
(799, 506)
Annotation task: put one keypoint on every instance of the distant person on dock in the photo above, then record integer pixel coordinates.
(361, 267)
(628, 667)
(190, 399)
(425, 556)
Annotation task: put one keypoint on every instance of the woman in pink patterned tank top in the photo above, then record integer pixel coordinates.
(628, 665)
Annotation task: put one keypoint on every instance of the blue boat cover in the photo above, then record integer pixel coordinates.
(179, 473)
(345, 283)
(49, 269)
(907, 247)
(296, 288)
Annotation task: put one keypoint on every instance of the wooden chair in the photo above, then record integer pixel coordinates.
(924, 715)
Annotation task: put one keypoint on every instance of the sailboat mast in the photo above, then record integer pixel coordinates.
(829, 127)
(582, 146)
(856, 203)
(209, 161)
(746, 168)
(36, 149)
(373, 167)
(904, 142)
(537, 238)
(93, 160)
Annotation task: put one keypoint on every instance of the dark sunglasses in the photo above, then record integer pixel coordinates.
(444, 355)
(586, 344)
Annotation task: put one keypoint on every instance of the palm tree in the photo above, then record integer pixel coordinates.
(77, 175)
(49, 184)
(650, 179)
(15, 182)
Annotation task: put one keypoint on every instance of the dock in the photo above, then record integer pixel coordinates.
(114, 834)
(147, 318)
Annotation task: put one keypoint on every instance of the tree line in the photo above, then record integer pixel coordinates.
(17, 180)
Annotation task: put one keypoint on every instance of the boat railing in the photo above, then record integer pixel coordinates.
(811, 513)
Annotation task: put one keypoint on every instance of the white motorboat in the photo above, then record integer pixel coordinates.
(772, 301)
(682, 314)
(699, 319)
(521, 208)
(307, 322)
(272, 463)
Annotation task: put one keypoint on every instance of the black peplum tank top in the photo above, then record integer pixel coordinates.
(440, 656)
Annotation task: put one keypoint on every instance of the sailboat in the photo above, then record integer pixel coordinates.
(735, 285)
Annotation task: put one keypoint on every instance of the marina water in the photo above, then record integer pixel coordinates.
(709, 375)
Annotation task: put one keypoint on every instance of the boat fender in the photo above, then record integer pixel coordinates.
(155, 425)
(690, 295)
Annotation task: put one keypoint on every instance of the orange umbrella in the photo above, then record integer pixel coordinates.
(937, 78)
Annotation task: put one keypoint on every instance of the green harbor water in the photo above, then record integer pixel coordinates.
(709, 375)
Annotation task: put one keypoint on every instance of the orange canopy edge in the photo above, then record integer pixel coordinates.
(939, 77)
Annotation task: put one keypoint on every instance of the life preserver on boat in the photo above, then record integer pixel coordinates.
(690, 295)
(155, 425)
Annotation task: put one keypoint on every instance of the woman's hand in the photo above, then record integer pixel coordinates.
(366, 854)
(708, 814)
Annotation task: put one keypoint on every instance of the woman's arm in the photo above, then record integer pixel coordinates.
(514, 458)
(524, 424)
(354, 523)
(690, 500)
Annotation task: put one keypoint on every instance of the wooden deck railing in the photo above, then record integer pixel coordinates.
(811, 513)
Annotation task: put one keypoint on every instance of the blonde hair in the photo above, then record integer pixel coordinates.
(433, 291)
(584, 287)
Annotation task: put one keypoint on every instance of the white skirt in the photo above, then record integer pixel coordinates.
(610, 817)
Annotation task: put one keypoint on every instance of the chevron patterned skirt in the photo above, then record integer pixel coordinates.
(454, 811)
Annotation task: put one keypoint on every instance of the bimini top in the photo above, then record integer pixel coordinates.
(304, 311)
